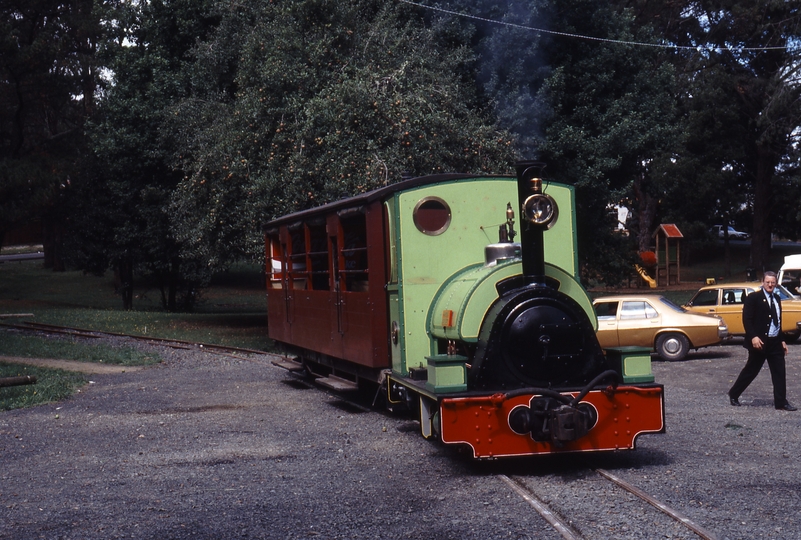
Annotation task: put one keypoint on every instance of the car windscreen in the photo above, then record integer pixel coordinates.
(671, 305)
(784, 294)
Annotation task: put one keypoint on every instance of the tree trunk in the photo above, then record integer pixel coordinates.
(763, 192)
(646, 207)
(173, 277)
(726, 249)
(52, 240)
(124, 268)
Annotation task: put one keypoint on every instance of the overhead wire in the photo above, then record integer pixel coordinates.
(592, 38)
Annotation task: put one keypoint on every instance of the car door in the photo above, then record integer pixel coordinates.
(638, 323)
(705, 301)
(606, 311)
(731, 308)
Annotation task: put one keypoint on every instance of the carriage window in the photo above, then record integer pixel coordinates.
(432, 216)
(354, 253)
(297, 267)
(275, 264)
(318, 257)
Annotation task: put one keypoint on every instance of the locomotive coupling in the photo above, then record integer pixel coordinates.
(555, 417)
(547, 419)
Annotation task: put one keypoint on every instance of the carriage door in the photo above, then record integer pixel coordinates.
(286, 279)
(337, 294)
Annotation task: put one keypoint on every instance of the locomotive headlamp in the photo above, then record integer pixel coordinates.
(540, 209)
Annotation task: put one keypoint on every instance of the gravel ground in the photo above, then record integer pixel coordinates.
(210, 446)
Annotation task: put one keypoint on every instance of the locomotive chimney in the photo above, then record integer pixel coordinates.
(539, 212)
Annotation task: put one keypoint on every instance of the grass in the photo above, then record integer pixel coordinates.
(232, 312)
(55, 384)
(29, 346)
(52, 385)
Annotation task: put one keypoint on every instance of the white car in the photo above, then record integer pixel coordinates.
(737, 235)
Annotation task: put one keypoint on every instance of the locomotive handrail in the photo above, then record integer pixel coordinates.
(567, 400)
(537, 391)
(617, 380)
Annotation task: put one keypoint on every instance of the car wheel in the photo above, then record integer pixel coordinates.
(672, 347)
(791, 337)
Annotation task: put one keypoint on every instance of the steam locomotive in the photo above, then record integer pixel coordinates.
(419, 287)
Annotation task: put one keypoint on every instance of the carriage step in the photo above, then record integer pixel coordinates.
(289, 364)
(337, 383)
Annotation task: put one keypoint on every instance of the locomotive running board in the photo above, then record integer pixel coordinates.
(288, 364)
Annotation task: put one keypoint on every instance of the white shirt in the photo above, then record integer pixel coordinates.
(773, 331)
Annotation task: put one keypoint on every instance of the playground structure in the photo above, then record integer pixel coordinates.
(643, 274)
(664, 262)
(668, 256)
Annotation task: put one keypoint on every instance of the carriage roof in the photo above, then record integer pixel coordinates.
(370, 196)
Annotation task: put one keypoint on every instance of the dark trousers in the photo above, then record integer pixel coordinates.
(773, 352)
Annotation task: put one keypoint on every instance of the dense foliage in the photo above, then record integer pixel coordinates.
(47, 90)
(214, 116)
(315, 101)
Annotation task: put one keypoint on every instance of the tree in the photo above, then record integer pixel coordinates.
(47, 90)
(601, 114)
(744, 66)
(316, 101)
(126, 190)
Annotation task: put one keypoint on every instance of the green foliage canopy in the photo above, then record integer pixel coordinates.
(47, 90)
(315, 101)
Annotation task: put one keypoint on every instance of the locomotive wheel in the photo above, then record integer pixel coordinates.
(672, 347)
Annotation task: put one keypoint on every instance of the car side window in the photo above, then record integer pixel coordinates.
(735, 296)
(606, 310)
(708, 297)
(637, 310)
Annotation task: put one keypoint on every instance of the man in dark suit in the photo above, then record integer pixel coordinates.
(764, 340)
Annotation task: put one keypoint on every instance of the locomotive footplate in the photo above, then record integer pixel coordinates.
(520, 422)
(527, 424)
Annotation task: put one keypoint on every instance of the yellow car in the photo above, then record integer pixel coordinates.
(726, 301)
(651, 320)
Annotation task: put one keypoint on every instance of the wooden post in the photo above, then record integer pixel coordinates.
(17, 381)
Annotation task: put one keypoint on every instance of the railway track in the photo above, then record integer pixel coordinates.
(598, 504)
(173, 343)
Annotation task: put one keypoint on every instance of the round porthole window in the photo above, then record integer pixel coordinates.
(432, 216)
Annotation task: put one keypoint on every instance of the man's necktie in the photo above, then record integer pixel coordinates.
(773, 314)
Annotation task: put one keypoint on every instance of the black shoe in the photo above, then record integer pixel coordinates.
(786, 407)
(734, 401)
